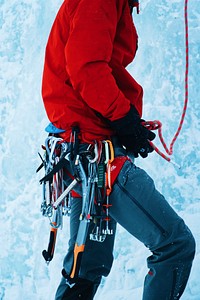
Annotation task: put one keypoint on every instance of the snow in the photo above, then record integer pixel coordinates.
(159, 67)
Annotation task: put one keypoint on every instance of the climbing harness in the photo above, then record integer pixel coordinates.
(153, 125)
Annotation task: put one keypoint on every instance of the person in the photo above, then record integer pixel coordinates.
(86, 84)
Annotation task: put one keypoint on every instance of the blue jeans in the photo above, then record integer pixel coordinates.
(144, 213)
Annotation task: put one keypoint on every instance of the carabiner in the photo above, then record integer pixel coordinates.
(95, 153)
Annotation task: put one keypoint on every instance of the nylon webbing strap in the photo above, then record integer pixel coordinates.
(61, 164)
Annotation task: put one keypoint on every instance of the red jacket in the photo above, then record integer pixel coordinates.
(84, 78)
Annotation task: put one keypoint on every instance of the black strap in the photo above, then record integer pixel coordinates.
(61, 164)
(42, 164)
(74, 151)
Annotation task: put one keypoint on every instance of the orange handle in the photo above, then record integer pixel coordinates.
(78, 251)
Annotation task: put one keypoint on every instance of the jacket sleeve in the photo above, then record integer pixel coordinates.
(88, 52)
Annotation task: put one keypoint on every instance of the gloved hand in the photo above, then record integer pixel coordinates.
(132, 134)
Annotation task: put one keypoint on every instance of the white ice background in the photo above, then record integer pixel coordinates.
(159, 67)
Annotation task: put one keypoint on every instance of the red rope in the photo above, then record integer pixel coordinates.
(153, 125)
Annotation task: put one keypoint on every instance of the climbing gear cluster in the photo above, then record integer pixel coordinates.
(90, 169)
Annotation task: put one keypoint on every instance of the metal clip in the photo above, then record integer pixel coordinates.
(95, 154)
(97, 237)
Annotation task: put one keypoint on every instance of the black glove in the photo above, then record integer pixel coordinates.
(132, 134)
